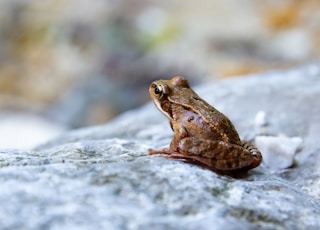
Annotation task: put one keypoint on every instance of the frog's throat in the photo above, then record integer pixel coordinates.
(158, 105)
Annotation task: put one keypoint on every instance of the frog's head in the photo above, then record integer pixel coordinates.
(162, 90)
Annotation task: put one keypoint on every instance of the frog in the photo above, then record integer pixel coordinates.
(202, 135)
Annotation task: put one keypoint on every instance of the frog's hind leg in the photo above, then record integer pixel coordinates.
(192, 159)
(219, 155)
(256, 154)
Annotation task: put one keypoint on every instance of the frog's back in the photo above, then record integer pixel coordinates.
(218, 122)
(227, 129)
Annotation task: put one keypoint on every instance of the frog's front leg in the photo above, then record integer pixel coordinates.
(179, 133)
(218, 156)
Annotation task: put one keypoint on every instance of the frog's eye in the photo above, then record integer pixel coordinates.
(158, 90)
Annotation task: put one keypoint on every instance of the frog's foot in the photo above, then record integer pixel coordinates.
(172, 155)
(164, 151)
(195, 160)
(177, 156)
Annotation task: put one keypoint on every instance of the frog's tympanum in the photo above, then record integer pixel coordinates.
(202, 134)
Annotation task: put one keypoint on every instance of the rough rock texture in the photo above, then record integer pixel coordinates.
(102, 178)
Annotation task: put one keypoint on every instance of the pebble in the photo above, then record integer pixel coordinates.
(278, 151)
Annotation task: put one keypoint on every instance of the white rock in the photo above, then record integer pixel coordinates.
(278, 152)
(260, 119)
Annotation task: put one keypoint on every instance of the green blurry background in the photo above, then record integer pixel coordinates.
(69, 64)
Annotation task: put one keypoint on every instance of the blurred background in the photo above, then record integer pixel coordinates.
(67, 64)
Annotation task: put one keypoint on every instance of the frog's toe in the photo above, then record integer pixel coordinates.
(163, 151)
(175, 155)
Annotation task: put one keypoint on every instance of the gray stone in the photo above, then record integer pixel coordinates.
(278, 152)
(101, 177)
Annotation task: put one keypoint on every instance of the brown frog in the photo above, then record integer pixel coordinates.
(202, 135)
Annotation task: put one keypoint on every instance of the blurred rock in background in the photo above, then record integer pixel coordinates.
(78, 63)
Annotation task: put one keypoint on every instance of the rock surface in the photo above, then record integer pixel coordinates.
(102, 178)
